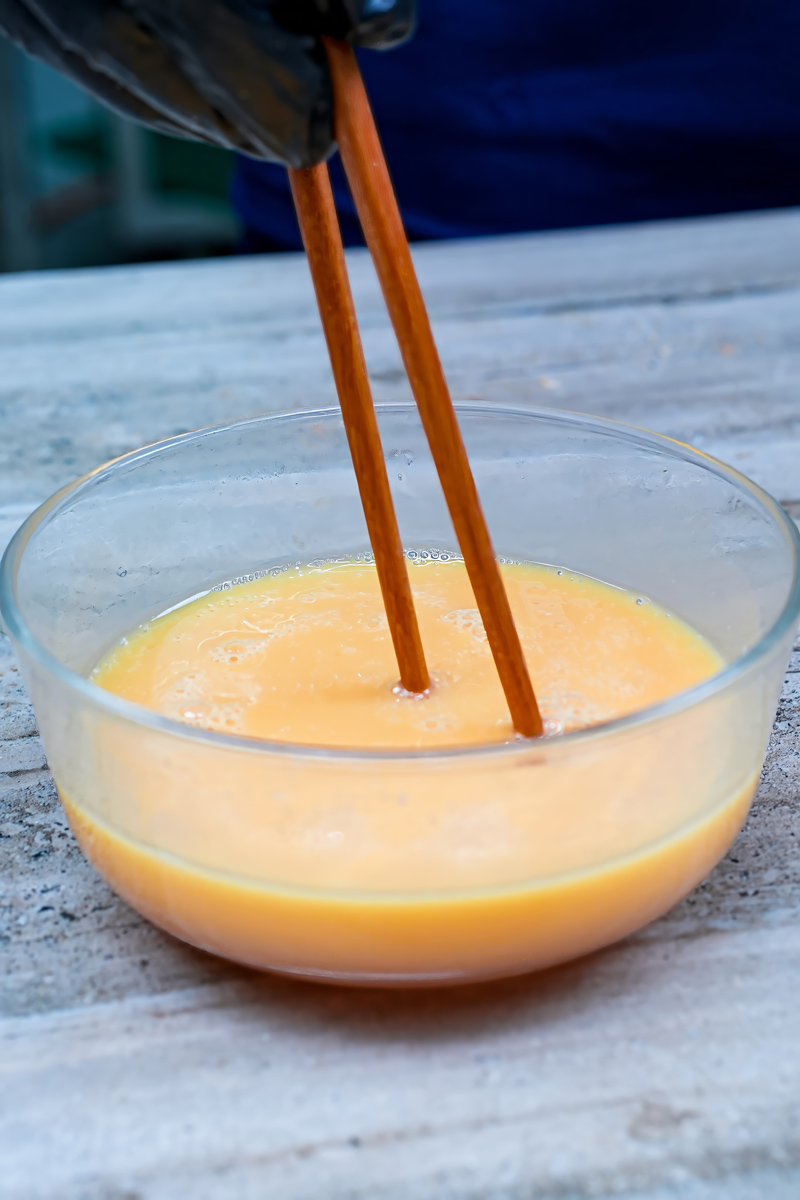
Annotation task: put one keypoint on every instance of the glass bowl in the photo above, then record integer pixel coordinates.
(420, 867)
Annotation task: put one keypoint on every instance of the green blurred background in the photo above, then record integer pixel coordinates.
(80, 186)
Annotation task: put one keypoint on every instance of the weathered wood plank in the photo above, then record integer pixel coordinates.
(618, 1072)
(662, 1069)
(661, 261)
(96, 363)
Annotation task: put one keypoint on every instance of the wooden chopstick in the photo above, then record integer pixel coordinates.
(368, 176)
(319, 226)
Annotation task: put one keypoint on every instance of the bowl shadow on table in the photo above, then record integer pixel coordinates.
(471, 1011)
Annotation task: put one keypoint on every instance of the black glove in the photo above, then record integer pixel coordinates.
(247, 74)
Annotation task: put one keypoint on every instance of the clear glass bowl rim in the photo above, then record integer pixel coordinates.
(681, 701)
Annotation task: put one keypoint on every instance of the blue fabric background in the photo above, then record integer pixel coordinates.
(507, 115)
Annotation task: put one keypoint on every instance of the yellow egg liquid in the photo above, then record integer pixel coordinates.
(306, 657)
(399, 869)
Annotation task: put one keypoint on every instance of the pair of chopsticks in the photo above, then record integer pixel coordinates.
(377, 210)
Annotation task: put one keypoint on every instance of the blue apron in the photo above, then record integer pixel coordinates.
(508, 115)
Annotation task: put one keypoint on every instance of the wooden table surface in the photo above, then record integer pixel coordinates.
(666, 1067)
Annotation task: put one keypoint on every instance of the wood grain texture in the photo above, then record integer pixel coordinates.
(313, 198)
(689, 328)
(334, 1094)
(375, 202)
(661, 1069)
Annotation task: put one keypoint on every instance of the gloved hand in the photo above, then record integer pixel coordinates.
(247, 74)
